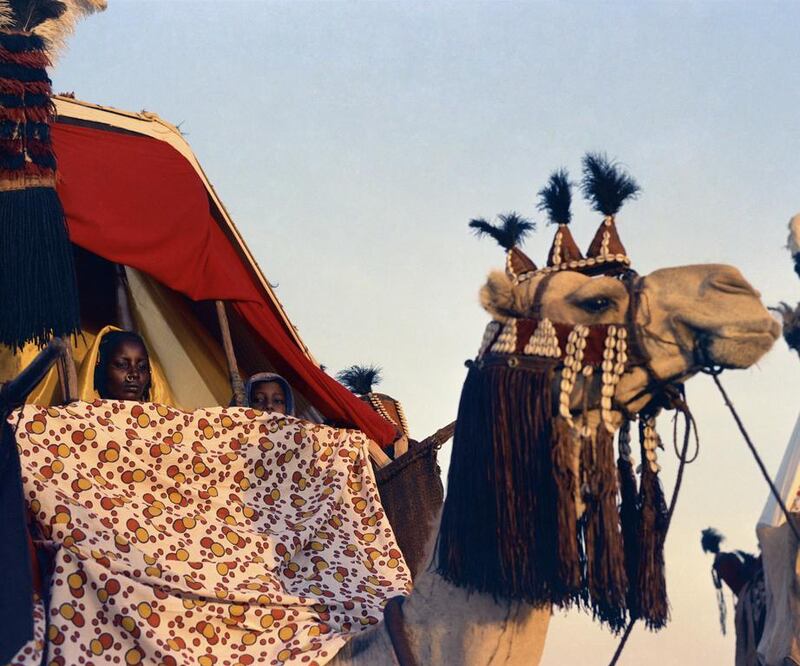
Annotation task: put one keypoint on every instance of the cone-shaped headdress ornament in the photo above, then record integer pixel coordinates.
(556, 198)
(509, 233)
(606, 186)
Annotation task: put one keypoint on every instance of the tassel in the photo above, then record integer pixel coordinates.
(606, 579)
(651, 586)
(499, 531)
(569, 554)
(38, 289)
(628, 512)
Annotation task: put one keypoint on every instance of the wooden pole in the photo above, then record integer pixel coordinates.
(67, 373)
(233, 369)
(379, 457)
(124, 314)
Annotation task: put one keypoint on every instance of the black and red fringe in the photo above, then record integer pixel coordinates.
(38, 292)
(650, 589)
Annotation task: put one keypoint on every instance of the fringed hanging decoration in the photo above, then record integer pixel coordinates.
(628, 511)
(38, 293)
(606, 579)
(651, 587)
(497, 534)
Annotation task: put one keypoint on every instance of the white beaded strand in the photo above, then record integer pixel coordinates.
(650, 444)
(573, 361)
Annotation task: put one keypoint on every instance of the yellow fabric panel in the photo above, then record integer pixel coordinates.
(48, 391)
(193, 362)
(160, 391)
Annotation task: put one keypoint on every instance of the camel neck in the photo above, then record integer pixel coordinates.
(447, 625)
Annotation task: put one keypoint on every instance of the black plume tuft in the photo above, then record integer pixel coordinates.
(510, 232)
(710, 540)
(605, 184)
(556, 198)
(360, 378)
(27, 14)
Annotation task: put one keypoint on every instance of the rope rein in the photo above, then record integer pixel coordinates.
(715, 376)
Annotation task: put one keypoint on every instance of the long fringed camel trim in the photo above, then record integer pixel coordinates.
(498, 533)
(509, 524)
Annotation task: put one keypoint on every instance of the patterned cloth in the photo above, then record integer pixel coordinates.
(213, 537)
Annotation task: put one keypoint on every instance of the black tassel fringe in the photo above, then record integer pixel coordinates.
(38, 291)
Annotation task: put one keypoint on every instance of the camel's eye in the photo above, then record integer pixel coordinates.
(596, 305)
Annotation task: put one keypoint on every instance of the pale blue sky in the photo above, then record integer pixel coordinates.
(352, 142)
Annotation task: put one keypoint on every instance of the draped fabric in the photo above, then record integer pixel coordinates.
(780, 552)
(136, 201)
(213, 537)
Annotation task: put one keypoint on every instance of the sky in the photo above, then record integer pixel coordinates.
(353, 141)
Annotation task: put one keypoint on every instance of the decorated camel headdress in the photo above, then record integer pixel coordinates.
(519, 436)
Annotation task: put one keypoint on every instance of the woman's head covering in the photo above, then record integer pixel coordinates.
(160, 391)
(270, 377)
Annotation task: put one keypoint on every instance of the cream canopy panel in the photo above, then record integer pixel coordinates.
(193, 363)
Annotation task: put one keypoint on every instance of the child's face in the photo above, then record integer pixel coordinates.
(268, 397)
(128, 372)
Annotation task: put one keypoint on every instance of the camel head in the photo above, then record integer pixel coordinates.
(685, 317)
(540, 507)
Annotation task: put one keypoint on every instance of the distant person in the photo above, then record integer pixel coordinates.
(269, 392)
(123, 367)
(743, 573)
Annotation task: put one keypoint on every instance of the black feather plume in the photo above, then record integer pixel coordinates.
(510, 232)
(710, 540)
(605, 184)
(360, 379)
(556, 198)
(30, 13)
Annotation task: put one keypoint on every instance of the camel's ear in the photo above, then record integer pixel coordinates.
(497, 295)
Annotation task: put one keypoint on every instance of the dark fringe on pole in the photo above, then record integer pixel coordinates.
(651, 585)
(606, 579)
(38, 291)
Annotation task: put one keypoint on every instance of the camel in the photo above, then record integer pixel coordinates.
(707, 312)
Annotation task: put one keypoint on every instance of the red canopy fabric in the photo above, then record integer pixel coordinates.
(135, 200)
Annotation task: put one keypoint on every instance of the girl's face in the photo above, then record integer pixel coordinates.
(127, 372)
(268, 397)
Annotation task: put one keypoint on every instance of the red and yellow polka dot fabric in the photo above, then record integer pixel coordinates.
(215, 537)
